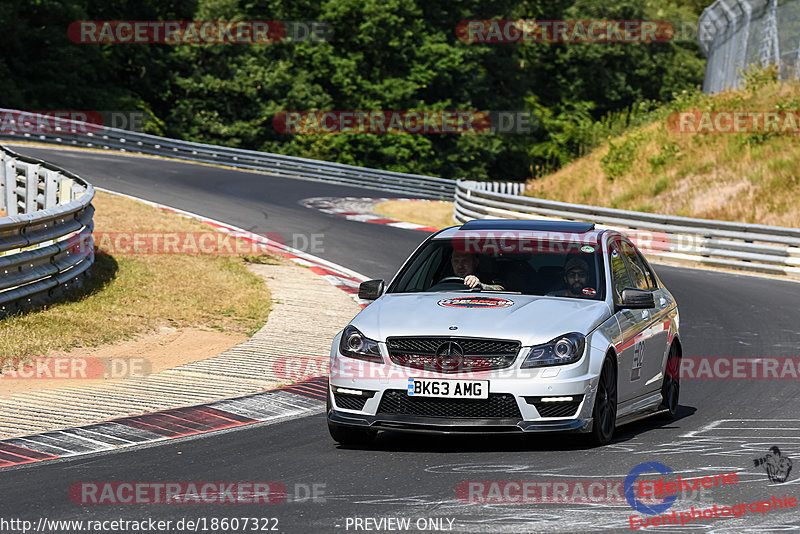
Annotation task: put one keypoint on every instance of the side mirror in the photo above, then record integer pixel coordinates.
(372, 289)
(637, 299)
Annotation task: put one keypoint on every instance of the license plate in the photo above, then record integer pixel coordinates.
(450, 389)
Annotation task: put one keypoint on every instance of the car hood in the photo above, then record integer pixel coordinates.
(533, 320)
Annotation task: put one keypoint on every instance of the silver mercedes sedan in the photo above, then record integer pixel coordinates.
(508, 326)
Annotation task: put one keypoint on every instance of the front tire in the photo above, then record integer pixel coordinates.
(604, 414)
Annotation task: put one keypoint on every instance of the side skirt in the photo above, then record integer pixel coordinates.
(640, 408)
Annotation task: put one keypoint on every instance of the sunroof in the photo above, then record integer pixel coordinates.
(529, 225)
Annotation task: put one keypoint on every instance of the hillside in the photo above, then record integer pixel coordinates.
(751, 177)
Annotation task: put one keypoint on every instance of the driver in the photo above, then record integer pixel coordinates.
(465, 265)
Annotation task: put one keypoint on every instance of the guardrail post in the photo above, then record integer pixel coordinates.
(2, 182)
(50, 189)
(65, 191)
(10, 187)
(31, 188)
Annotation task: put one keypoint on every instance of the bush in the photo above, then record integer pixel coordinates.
(620, 157)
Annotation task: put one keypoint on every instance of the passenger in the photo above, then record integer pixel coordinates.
(576, 276)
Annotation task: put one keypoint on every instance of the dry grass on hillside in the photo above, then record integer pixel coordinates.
(753, 177)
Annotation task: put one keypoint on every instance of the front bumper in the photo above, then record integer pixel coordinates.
(516, 395)
(436, 425)
(520, 412)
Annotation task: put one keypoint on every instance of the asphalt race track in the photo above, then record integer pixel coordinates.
(724, 424)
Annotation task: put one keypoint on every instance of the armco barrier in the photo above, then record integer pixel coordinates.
(45, 232)
(760, 248)
(749, 247)
(22, 126)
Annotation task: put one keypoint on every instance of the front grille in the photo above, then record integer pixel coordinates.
(555, 409)
(350, 402)
(469, 354)
(498, 405)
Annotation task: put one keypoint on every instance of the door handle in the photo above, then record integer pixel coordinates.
(645, 314)
(662, 301)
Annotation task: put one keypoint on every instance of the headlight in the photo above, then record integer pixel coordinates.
(355, 345)
(562, 350)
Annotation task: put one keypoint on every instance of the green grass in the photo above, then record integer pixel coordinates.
(659, 186)
(127, 295)
(588, 193)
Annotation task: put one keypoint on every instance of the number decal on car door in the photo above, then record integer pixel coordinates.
(638, 359)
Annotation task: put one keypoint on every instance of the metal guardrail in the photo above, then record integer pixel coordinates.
(45, 230)
(22, 126)
(510, 188)
(749, 247)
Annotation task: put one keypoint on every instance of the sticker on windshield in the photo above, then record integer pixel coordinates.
(589, 291)
(476, 302)
(587, 249)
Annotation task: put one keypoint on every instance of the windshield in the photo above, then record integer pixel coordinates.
(551, 268)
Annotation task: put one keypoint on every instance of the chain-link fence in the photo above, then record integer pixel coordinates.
(735, 34)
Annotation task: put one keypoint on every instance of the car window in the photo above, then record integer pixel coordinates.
(635, 267)
(424, 270)
(648, 271)
(511, 265)
(619, 273)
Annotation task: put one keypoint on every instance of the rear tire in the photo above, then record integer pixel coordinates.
(671, 387)
(346, 435)
(604, 414)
